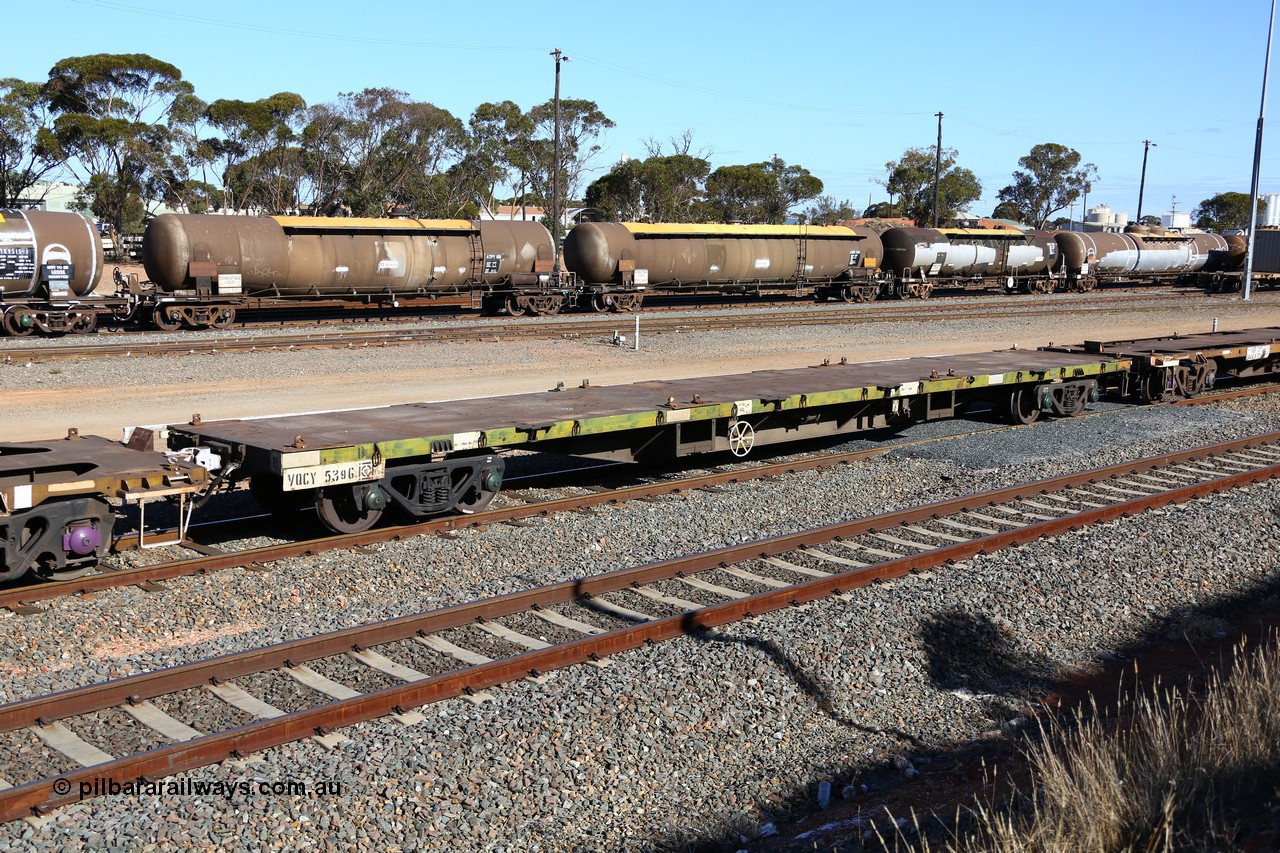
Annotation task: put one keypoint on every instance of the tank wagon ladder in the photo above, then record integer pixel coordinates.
(476, 273)
(802, 258)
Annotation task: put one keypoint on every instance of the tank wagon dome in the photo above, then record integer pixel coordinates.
(42, 250)
(671, 253)
(317, 256)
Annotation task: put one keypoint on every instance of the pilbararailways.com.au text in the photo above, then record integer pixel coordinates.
(244, 788)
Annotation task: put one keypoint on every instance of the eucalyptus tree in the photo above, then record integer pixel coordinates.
(1226, 211)
(911, 178)
(581, 124)
(28, 151)
(1051, 178)
(111, 114)
(255, 157)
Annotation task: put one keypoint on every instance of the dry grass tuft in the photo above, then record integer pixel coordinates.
(1172, 770)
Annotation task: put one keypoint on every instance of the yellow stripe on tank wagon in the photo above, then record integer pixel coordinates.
(683, 229)
(343, 223)
(1011, 233)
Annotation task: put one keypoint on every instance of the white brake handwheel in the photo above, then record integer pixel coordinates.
(742, 437)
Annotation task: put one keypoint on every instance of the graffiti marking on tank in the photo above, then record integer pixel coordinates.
(715, 268)
(342, 269)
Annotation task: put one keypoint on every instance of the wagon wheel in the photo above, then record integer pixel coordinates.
(84, 323)
(339, 510)
(1023, 408)
(1152, 386)
(477, 499)
(851, 294)
(166, 319)
(514, 308)
(223, 317)
(18, 323)
(484, 488)
(742, 437)
(602, 302)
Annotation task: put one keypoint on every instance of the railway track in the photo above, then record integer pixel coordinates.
(23, 599)
(490, 331)
(592, 618)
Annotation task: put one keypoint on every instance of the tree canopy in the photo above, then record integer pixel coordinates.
(911, 179)
(1226, 211)
(111, 116)
(1051, 178)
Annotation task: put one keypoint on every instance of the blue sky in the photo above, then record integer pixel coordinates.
(839, 88)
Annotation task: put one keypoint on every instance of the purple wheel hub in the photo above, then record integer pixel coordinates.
(81, 540)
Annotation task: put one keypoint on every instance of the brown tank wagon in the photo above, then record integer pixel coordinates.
(47, 262)
(197, 258)
(838, 261)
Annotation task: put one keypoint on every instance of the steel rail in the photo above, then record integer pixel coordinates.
(42, 795)
(496, 332)
(103, 580)
(19, 599)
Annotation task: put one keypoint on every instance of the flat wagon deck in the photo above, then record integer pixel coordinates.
(431, 457)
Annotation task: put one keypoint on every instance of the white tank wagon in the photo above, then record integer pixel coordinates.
(921, 259)
(48, 261)
(1090, 257)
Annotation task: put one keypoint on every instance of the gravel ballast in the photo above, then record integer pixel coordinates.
(704, 738)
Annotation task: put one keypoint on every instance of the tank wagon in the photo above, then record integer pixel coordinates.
(1092, 257)
(921, 259)
(836, 261)
(1225, 271)
(49, 263)
(203, 266)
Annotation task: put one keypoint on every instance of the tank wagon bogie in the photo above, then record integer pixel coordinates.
(673, 258)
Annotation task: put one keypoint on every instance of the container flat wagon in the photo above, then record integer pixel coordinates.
(1164, 368)
(428, 458)
(59, 500)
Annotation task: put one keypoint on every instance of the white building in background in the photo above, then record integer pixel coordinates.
(1270, 218)
(1103, 218)
(53, 196)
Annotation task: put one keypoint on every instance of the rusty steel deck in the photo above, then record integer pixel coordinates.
(1240, 344)
(33, 472)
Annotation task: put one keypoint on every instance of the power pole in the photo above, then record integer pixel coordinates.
(556, 218)
(937, 171)
(1147, 144)
(1246, 292)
